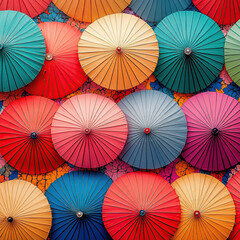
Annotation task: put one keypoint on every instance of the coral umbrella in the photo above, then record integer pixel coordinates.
(208, 211)
(191, 51)
(76, 201)
(118, 51)
(89, 130)
(61, 73)
(221, 11)
(22, 50)
(30, 7)
(213, 122)
(157, 129)
(24, 211)
(141, 205)
(25, 135)
(233, 187)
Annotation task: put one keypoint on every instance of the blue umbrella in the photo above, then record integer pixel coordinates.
(157, 129)
(76, 201)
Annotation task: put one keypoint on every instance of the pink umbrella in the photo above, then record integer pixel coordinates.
(89, 130)
(213, 121)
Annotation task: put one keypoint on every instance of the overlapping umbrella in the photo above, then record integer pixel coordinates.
(61, 73)
(25, 135)
(157, 129)
(208, 211)
(213, 122)
(24, 211)
(89, 130)
(76, 201)
(22, 50)
(118, 51)
(191, 51)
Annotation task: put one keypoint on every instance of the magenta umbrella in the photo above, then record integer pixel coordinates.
(213, 121)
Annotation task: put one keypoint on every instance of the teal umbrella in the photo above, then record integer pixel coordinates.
(22, 50)
(191, 51)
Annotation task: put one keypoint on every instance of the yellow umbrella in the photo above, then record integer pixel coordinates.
(90, 10)
(118, 51)
(24, 212)
(208, 211)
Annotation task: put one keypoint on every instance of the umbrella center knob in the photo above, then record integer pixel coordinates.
(118, 49)
(87, 131)
(187, 51)
(10, 219)
(215, 131)
(33, 135)
(1, 46)
(197, 214)
(48, 57)
(142, 213)
(79, 214)
(147, 130)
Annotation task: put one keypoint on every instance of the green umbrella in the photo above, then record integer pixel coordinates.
(232, 53)
(22, 50)
(191, 51)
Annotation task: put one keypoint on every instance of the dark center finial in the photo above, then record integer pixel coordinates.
(147, 130)
(142, 213)
(33, 135)
(215, 131)
(196, 214)
(10, 219)
(118, 49)
(188, 51)
(87, 131)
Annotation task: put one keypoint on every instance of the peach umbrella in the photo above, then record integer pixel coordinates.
(118, 51)
(24, 212)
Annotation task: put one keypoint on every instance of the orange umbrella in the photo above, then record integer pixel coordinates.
(208, 211)
(90, 10)
(24, 211)
(118, 51)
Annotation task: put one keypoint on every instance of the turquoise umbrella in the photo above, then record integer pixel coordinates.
(191, 51)
(22, 50)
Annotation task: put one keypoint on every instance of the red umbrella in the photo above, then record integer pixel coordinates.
(25, 135)
(30, 7)
(141, 205)
(89, 130)
(61, 73)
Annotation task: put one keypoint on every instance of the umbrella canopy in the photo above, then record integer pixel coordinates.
(233, 187)
(213, 123)
(30, 7)
(24, 211)
(22, 50)
(141, 205)
(221, 11)
(156, 10)
(89, 130)
(191, 51)
(157, 129)
(76, 201)
(61, 73)
(89, 11)
(25, 135)
(208, 211)
(231, 52)
(118, 51)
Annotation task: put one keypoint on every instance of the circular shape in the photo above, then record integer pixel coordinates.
(213, 201)
(1, 46)
(33, 135)
(122, 212)
(23, 54)
(119, 50)
(61, 73)
(187, 51)
(89, 11)
(205, 112)
(194, 72)
(24, 211)
(147, 130)
(87, 131)
(168, 125)
(102, 62)
(215, 132)
(97, 113)
(196, 214)
(79, 214)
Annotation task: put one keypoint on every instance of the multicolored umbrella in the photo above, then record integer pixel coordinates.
(25, 135)
(157, 129)
(89, 130)
(233, 187)
(191, 51)
(141, 205)
(156, 10)
(24, 211)
(89, 11)
(208, 211)
(118, 51)
(221, 11)
(30, 7)
(22, 50)
(76, 201)
(213, 123)
(61, 73)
